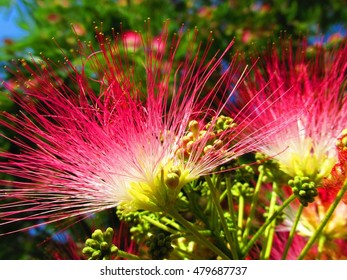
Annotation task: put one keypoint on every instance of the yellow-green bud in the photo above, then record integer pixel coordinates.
(108, 235)
(208, 148)
(114, 250)
(172, 180)
(92, 243)
(186, 139)
(201, 134)
(96, 255)
(218, 143)
(88, 251)
(212, 134)
(97, 235)
(194, 127)
(104, 246)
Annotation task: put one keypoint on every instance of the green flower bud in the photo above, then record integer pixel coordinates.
(97, 235)
(100, 246)
(159, 245)
(104, 246)
(194, 127)
(304, 189)
(88, 251)
(114, 250)
(96, 255)
(208, 148)
(92, 243)
(172, 180)
(108, 235)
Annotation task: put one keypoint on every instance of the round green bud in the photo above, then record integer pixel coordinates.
(98, 235)
(92, 243)
(208, 148)
(302, 192)
(96, 255)
(114, 250)
(104, 246)
(193, 126)
(88, 251)
(172, 180)
(108, 235)
(218, 143)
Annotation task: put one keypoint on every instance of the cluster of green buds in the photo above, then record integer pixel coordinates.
(270, 168)
(195, 133)
(242, 173)
(222, 123)
(240, 180)
(99, 246)
(230, 223)
(304, 189)
(139, 227)
(159, 245)
(130, 218)
(242, 189)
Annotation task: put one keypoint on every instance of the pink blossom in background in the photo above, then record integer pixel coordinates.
(317, 97)
(132, 40)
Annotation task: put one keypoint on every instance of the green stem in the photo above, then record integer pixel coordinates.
(321, 242)
(128, 256)
(223, 195)
(206, 233)
(253, 204)
(270, 231)
(159, 225)
(170, 222)
(198, 236)
(292, 232)
(321, 226)
(216, 202)
(241, 211)
(266, 224)
(232, 211)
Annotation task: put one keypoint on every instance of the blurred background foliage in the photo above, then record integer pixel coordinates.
(253, 23)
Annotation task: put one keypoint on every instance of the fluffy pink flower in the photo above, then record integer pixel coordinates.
(132, 40)
(298, 243)
(318, 91)
(314, 213)
(333, 234)
(85, 150)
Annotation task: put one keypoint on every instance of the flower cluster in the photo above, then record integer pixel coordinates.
(155, 127)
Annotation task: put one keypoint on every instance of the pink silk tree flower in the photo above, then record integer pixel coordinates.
(333, 237)
(297, 245)
(318, 86)
(129, 128)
